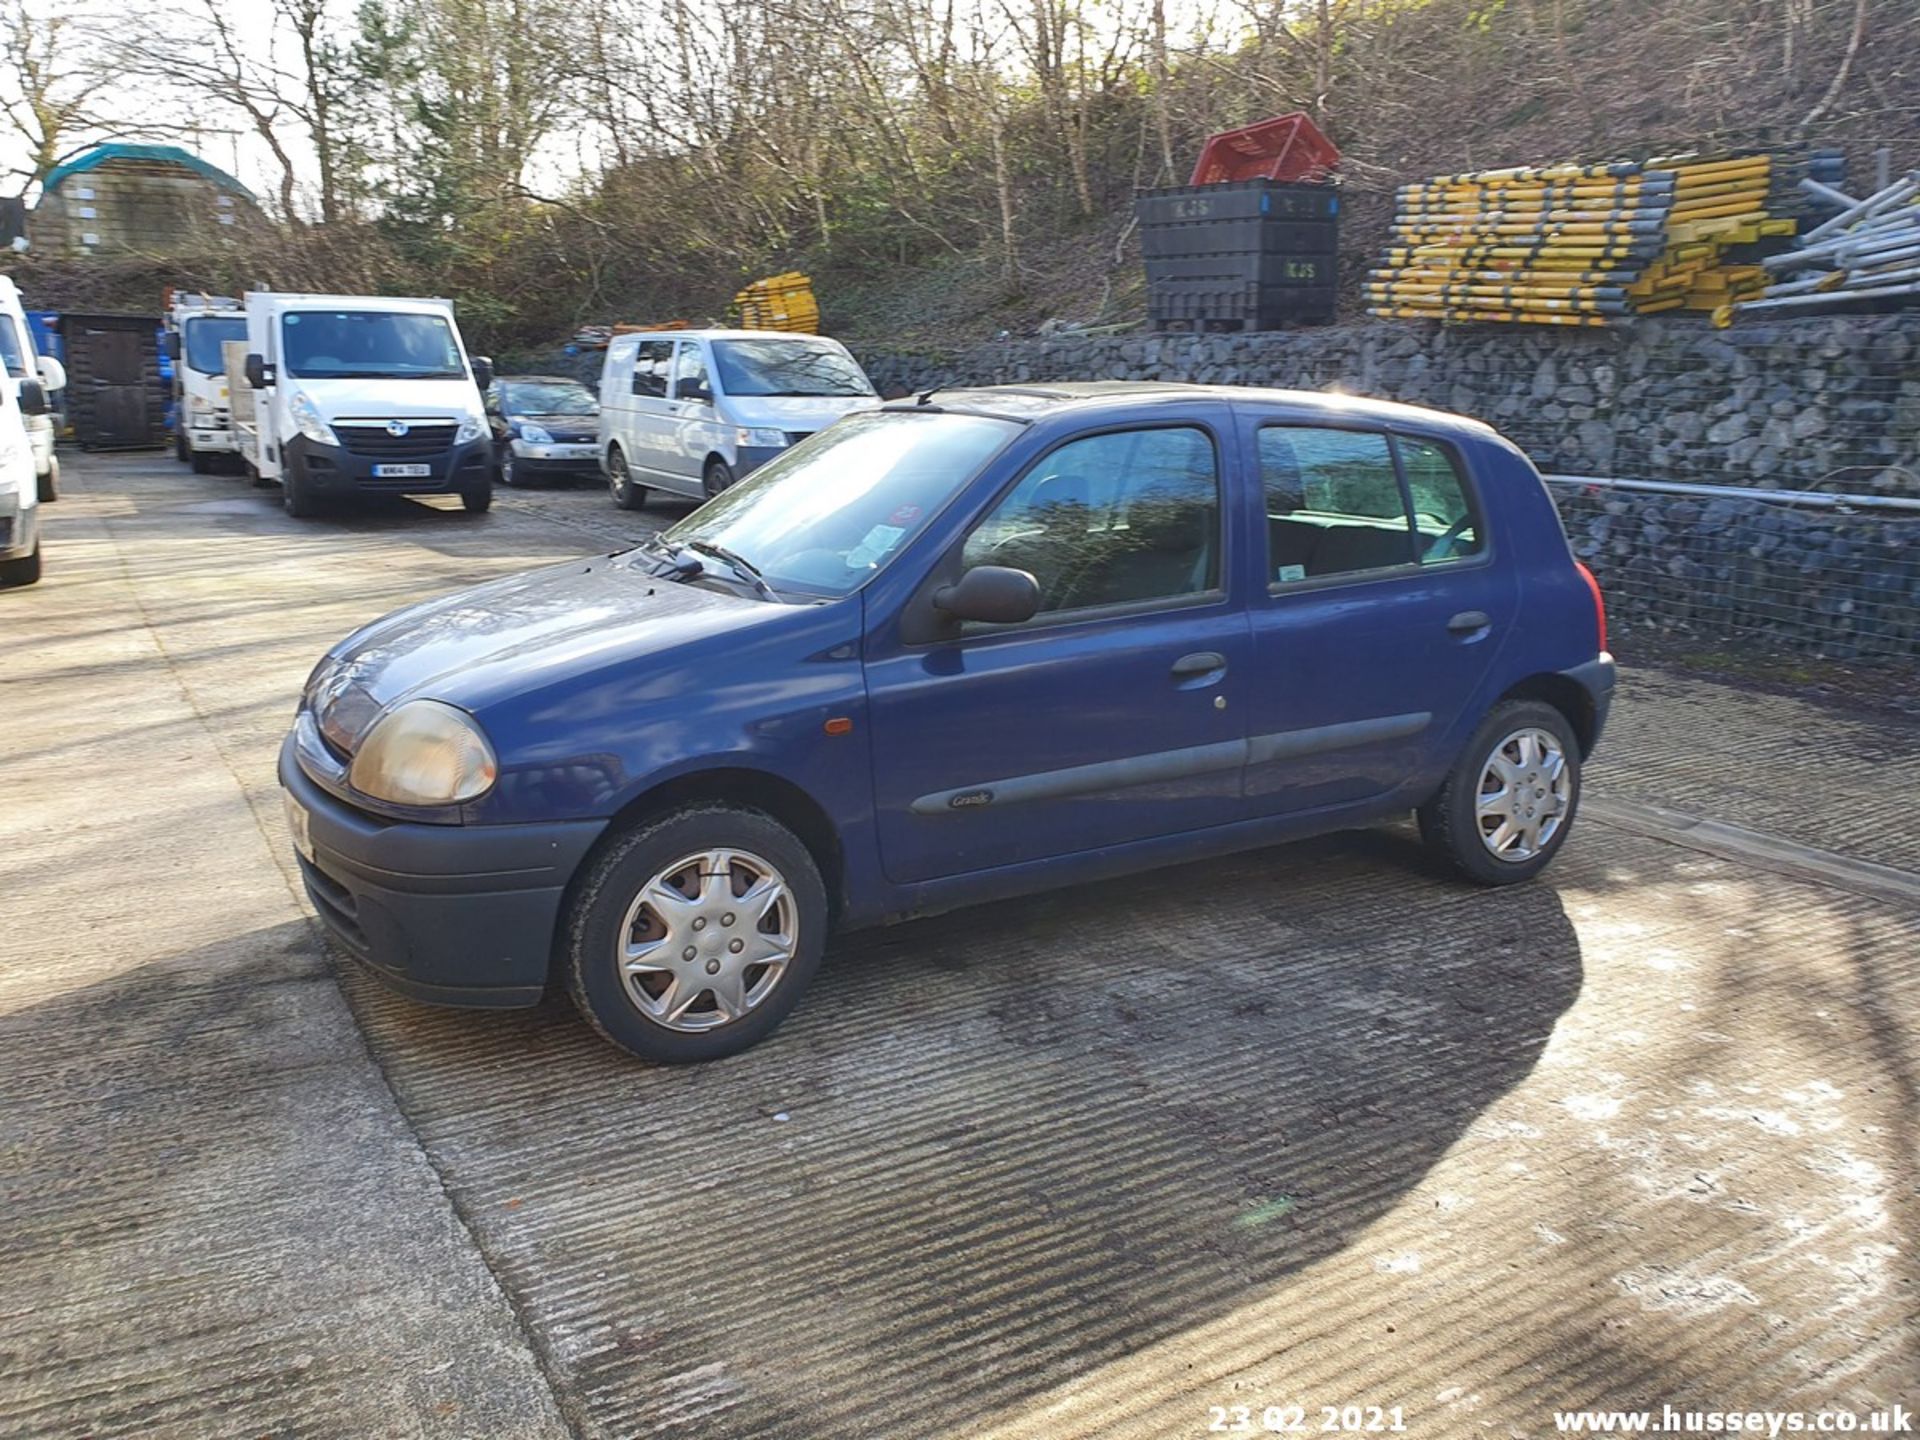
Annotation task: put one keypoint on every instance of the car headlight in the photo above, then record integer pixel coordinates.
(307, 421)
(757, 438)
(536, 434)
(471, 428)
(424, 753)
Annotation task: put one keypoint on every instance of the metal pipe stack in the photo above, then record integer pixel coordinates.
(1581, 244)
(1866, 256)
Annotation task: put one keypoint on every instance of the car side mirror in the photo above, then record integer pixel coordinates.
(992, 594)
(698, 393)
(33, 399)
(53, 375)
(482, 370)
(170, 345)
(259, 374)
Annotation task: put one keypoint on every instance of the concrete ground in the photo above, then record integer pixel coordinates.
(1313, 1126)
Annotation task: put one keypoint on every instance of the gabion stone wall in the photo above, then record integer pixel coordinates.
(1827, 405)
(1830, 403)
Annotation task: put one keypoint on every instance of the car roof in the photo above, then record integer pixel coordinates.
(1090, 399)
(723, 335)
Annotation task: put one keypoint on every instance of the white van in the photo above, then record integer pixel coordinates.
(353, 395)
(198, 327)
(17, 354)
(19, 488)
(689, 412)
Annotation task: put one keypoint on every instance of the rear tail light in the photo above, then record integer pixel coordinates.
(1599, 603)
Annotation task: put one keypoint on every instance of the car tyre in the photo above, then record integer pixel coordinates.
(718, 476)
(200, 460)
(297, 497)
(24, 571)
(478, 500)
(47, 486)
(626, 494)
(611, 917)
(1506, 807)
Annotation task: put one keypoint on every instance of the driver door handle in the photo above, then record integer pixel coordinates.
(1201, 662)
(1468, 621)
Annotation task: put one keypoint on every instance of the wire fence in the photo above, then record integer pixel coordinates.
(1833, 581)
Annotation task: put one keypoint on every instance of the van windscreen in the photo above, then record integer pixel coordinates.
(204, 338)
(787, 367)
(369, 345)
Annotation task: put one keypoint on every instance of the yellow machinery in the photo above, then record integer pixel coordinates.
(780, 302)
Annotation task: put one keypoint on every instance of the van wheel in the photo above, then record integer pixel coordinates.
(24, 571)
(297, 496)
(200, 460)
(1505, 809)
(181, 450)
(626, 494)
(693, 934)
(717, 477)
(477, 501)
(49, 483)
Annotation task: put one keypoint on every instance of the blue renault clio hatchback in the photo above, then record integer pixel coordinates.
(952, 648)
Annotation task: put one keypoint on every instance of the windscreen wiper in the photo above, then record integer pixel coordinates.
(742, 566)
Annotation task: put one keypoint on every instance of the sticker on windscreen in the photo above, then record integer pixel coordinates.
(874, 545)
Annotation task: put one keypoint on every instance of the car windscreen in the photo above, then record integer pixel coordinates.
(540, 397)
(369, 344)
(205, 336)
(787, 367)
(827, 514)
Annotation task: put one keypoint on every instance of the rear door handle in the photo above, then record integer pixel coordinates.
(1201, 662)
(1468, 621)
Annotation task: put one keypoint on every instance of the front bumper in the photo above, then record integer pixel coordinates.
(570, 458)
(336, 470)
(19, 527)
(1597, 678)
(450, 914)
(211, 441)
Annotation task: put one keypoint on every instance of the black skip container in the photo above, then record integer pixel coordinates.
(1249, 255)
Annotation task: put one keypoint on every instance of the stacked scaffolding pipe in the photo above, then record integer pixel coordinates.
(1867, 255)
(1582, 244)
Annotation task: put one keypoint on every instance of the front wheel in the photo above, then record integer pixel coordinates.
(200, 460)
(182, 451)
(297, 497)
(694, 934)
(48, 485)
(478, 500)
(24, 571)
(626, 494)
(717, 477)
(1505, 809)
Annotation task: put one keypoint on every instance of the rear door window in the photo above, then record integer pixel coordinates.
(689, 368)
(1443, 515)
(1334, 504)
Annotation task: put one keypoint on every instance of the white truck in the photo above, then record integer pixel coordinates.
(198, 327)
(355, 395)
(22, 363)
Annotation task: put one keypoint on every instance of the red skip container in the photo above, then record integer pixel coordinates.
(1287, 147)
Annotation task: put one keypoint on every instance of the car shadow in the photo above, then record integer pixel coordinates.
(994, 1149)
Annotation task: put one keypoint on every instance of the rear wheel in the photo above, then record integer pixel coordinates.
(1504, 811)
(48, 484)
(626, 494)
(717, 477)
(24, 571)
(694, 934)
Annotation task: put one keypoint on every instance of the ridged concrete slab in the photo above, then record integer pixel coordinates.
(1311, 1127)
(213, 1219)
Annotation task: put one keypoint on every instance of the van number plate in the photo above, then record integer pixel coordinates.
(402, 472)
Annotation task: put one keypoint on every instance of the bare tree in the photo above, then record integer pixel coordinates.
(54, 76)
